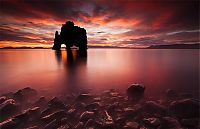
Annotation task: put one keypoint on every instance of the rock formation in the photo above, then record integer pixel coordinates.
(70, 35)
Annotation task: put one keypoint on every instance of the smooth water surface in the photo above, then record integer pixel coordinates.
(57, 72)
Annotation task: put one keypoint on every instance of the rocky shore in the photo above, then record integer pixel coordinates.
(111, 109)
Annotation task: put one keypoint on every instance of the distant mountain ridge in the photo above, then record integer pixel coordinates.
(176, 46)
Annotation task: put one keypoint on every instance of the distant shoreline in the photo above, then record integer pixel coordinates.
(172, 46)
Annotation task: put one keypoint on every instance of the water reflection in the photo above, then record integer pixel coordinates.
(74, 63)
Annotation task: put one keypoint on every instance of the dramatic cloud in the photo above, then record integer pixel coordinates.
(121, 23)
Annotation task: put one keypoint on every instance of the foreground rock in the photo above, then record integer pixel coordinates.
(186, 108)
(8, 108)
(135, 91)
(107, 110)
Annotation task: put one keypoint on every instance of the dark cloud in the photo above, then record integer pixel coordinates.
(143, 22)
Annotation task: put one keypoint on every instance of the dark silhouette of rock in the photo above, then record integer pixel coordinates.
(70, 35)
(171, 94)
(131, 125)
(2, 99)
(186, 108)
(41, 102)
(169, 123)
(56, 115)
(8, 108)
(135, 91)
(86, 116)
(152, 107)
(25, 94)
(56, 103)
(84, 98)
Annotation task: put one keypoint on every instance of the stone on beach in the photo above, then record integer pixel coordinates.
(135, 91)
(131, 125)
(56, 103)
(107, 110)
(86, 116)
(2, 99)
(25, 94)
(186, 108)
(41, 102)
(171, 94)
(169, 123)
(8, 108)
(154, 122)
(153, 108)
(84, 98)
(56, 115)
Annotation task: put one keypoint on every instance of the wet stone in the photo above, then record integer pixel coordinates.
(154, 108)
(79, 105)
(32, 127)
(94, 105)
(135, 92)
(171, 94)
(84, 98)
(169, 123)
(19, 97)
(89, 123)
(8, 108)
(131, 125)
(9, 124)
(155, 122)
(79, 125)
(56, 103)
(53, 116)
(186, 108)
(34, 113)
(2, 99)
(190, 123)
(29, 92)
(86, 116)
(41, 102)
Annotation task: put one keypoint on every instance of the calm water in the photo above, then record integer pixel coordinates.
(99, 69)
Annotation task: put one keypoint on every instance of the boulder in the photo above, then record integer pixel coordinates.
(56, 103)
(34, 113)
(153, 122)
(79, 125)
(90, 124)
(94, 105)
(85, 116)
(56, 123)
(107, 120)
(25, 94)
(41, 102)
(131, 125)
(171, 94)
(2, 99)
(9, 124)
(84, 98)
(190, 123)
(29, 92)
(19, 97)
(169, 123)
(8, 108)
(153, 108)
(32, 127)
(186, 108)
(135, 91)
(56, 115)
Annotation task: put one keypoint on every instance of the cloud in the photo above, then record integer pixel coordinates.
(113, 22)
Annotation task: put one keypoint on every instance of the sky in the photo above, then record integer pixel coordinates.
(116, 23)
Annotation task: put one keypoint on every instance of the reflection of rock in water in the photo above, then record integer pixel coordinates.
(74, 62)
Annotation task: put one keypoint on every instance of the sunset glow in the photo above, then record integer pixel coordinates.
(116, 23)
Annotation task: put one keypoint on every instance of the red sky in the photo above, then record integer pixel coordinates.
(121, 23)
